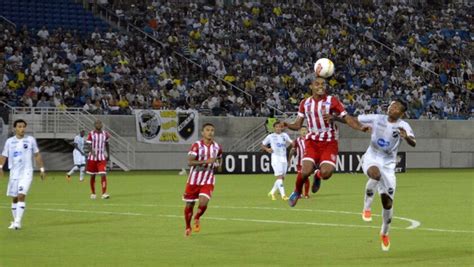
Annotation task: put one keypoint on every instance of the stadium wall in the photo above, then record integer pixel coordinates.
(440, 144)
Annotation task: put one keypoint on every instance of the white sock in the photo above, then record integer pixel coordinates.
(280, 187)
(387, 219)
(14, 211)
(81, 173)
(369, 193)
(20, 209)
(75, 168)
(275, 187)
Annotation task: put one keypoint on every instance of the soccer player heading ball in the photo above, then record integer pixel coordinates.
(321, 143)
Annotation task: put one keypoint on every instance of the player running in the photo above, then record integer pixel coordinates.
(278, 142)
(78, 156)
(204, 156)
(380, 160)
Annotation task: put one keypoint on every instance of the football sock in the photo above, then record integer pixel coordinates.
(75, 168)
(200, 212)
(299, 184)
(20, 209)
(387, 219)
(306, 187)
(188, 214)
(275, 187)
(93, 184)
(317, 174)
(103, 182)
(369, 193)
(14, 210)
(281, 187)
(81, 174)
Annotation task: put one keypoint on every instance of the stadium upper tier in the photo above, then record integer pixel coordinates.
(380, 52)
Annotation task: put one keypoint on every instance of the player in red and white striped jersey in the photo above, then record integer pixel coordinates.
(204, 156)
(298, 151)
(321, 142)
(98, 141)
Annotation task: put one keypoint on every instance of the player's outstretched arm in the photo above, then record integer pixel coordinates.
(355, 124)
(410, 139)
(39, 162)
(296, 125)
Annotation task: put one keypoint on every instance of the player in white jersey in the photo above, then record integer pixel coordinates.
(79, 157)
(380, 159)
(278, 142)
(20, 150)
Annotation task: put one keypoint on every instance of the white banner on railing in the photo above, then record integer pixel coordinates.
(167, 126)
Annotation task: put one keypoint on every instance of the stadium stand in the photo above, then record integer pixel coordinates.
(267, 50)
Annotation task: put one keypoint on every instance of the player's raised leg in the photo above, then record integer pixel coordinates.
(307, 169)
(71, 172)
(374, 175)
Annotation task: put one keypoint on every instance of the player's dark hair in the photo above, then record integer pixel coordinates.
(19, 121)
(403, 103)
(207, 124)
(275, 123)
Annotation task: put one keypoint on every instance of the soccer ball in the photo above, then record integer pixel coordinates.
(327, 67)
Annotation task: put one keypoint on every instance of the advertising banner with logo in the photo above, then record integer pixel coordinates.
(167, 126)
(258, 162)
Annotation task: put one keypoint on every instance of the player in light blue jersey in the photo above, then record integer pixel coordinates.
(20, 150)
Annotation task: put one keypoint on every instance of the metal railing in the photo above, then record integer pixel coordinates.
(249, 141)
(65, 124)
(111, 17)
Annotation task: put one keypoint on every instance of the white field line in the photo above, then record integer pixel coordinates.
(237, 219)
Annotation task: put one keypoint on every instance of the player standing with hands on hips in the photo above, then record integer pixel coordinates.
(20, 150)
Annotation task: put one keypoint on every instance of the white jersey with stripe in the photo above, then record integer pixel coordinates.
(314, 109)
(278, 143)
(20, 154)
(385, 137)
(204, 173)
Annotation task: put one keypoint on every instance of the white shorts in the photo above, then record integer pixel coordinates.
(388, 181)
(280, 166)
(79, 159)
(20, 184)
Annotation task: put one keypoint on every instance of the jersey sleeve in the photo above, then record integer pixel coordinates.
(34, 145)
(89, 138)
(266, 141)
(194, 150)
(408, 129)
(337, 107)
(301, 109)
(5, 148)
(367, 119)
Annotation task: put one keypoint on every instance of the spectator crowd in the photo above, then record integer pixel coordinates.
(252, 60)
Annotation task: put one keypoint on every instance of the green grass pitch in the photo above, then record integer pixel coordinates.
(142, 224)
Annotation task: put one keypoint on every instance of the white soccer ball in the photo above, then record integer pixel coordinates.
(327, 67)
